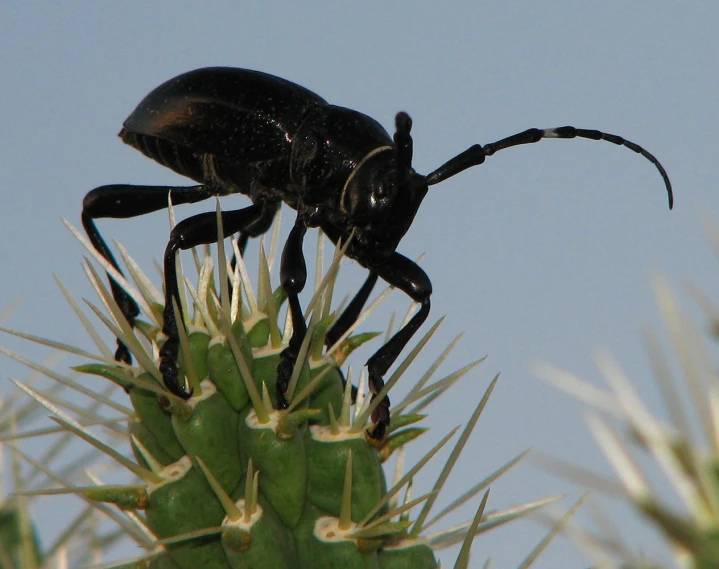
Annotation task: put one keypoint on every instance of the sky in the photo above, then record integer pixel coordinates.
(542, 253)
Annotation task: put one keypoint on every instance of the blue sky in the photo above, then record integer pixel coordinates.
(542, 253)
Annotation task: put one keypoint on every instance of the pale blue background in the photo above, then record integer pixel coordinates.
(543, 252)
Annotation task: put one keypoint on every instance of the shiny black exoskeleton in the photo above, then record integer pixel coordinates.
(241, 131)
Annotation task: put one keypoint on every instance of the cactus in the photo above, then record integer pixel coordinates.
(658, 459)
(225, 480)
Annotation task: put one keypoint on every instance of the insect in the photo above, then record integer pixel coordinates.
(241, 131)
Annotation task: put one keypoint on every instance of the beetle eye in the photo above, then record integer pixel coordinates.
(384, 184)
(366, 198)
(379, 192)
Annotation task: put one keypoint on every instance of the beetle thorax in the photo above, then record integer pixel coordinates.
(329, 145)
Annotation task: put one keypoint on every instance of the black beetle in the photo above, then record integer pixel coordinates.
(241, 131)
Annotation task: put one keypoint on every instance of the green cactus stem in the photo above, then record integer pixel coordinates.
(226, 480)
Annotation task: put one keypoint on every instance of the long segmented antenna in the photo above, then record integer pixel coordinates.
(476, 154)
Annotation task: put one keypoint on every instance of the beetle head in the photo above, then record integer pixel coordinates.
(383, 193)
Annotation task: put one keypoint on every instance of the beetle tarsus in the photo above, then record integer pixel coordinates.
(288, 359)
(381, 414)
(169, 370)
(122, 354)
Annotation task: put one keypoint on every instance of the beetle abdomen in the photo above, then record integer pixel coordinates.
(234, 114)
(178, 158)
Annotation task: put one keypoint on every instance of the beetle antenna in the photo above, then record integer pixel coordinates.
(475, 155)
(403, 142)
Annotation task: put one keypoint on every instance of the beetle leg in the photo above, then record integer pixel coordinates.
(242, 240)
(197, 230)
(409, 277)
(260, 227)
(123, 201)
(351, 312)
(348, 318)
(293, 274)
